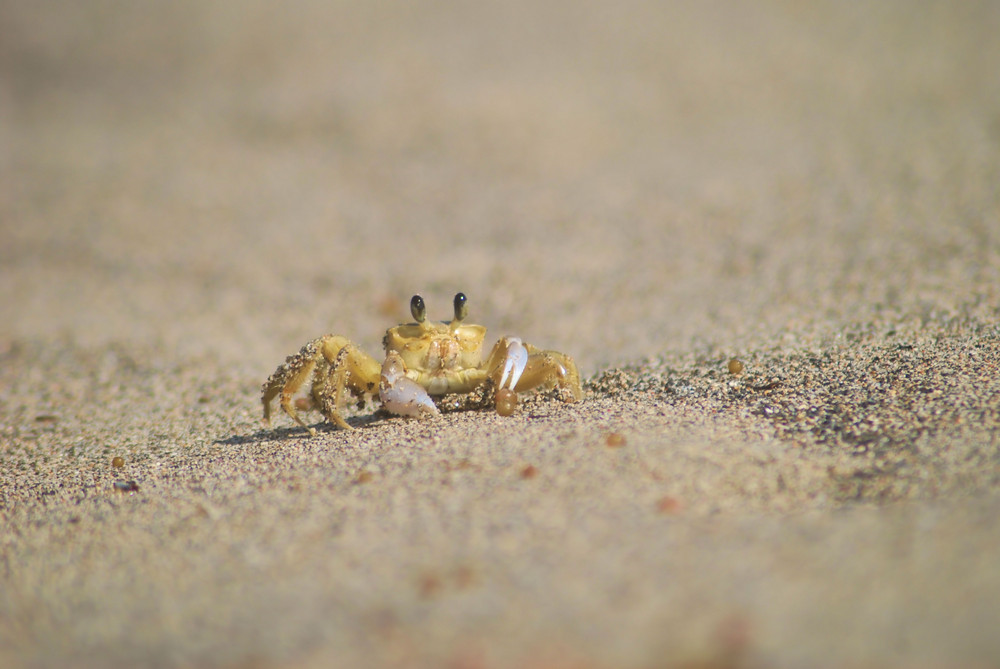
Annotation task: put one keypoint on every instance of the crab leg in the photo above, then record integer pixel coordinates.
(401, 395)
(551, 369)
(516, 367)
(334, 366)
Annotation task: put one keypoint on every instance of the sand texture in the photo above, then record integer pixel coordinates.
(190, 191)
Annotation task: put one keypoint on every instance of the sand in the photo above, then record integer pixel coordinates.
(191, 191)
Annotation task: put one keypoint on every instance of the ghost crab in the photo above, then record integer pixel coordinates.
(423, 359)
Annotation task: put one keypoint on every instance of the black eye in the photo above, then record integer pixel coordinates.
(418, 308)
(461, 308)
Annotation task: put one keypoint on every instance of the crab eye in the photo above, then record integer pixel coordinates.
(461, 308)
(418, 308)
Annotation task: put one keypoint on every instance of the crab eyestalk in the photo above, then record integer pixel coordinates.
(418, 309)
(461, 309)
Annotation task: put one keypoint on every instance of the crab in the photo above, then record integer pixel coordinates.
(423, 360)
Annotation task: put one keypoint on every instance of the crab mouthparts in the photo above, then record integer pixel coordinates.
(442, 355)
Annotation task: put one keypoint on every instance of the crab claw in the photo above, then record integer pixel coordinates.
(401, 395)
(514, 363)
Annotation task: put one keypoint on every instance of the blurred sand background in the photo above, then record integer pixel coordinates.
(189, 191)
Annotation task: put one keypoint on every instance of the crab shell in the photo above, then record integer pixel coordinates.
(440, 356)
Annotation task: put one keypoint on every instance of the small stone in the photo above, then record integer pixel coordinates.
(615, 440)
(668, 504)
(429, 584)
(126, 486)
(465, 577)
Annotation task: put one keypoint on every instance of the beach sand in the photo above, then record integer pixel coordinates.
(190, 191)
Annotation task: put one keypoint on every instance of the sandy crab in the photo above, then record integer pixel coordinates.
(423, 359)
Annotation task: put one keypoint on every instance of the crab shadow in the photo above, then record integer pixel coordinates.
(291, 432)
(541, 405)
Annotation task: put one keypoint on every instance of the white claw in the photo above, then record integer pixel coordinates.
(514, 363)
(401, 395)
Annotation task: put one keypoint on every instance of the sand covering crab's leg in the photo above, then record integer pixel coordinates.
(334, 364)
(401, 395)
